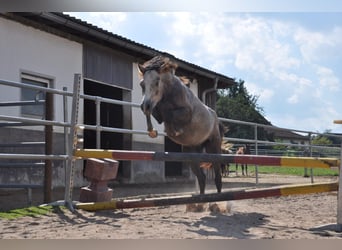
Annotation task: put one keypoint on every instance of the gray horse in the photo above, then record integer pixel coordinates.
(187, 120)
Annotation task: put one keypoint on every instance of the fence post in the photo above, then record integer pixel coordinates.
(339, 198)
(72, 142)
(256, 152)
(66, 141)
(98, 122)
(48, 148)
(339, 194)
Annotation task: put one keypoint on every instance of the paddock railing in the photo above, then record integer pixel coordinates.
(71, 125)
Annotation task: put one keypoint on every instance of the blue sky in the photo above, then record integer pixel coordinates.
(291, 61)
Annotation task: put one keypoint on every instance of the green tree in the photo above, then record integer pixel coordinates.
(321, 140)
(236, 103)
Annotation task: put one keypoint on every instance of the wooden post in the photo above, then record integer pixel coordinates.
(48, 148)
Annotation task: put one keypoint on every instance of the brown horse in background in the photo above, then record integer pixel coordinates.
(245, 150)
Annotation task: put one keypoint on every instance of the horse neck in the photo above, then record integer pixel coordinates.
(171, 84)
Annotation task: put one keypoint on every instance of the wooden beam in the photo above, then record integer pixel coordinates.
(214, 197)
(308, 162)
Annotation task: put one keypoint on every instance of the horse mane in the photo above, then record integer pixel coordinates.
(184, 80)
(161, 64)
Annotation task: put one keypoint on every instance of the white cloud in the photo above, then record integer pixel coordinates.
(264, 94)
(250, 43)
(317, 45)
(327, 79)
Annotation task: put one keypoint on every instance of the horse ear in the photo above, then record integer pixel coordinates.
(141, 69)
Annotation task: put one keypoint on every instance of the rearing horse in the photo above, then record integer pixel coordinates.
(186, 119)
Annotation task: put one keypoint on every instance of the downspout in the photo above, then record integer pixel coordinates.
(205, 92)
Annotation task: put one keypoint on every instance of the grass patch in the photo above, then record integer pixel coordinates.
(28, 211)
(295, 171)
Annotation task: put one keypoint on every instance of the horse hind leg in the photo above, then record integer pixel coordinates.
(214, 147)
(196, 169)
(218, 177)
(198, 172)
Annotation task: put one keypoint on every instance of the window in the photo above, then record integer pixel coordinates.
(36, 110)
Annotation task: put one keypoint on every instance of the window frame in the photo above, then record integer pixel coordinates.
(37, 110)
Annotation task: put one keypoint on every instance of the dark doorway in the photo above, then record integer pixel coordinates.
(111, 116)
(172, 168)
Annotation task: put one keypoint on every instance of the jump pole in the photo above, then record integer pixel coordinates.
(214, 197)
(311, 162)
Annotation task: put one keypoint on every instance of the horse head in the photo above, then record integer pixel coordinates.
(156, 74)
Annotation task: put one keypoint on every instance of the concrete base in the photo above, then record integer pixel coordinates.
(99, 172)
(89, 195)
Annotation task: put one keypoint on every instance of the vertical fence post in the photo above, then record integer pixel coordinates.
(339, 198)
(48, 148)
(98, 123)
(66, 142)
(256, 152)
(339, 194)
(72, 141)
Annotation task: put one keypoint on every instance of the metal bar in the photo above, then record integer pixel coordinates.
(23, 144)
(34, 87)
(21, 165)
(21, 103)
(21, 186)
(33, 157)
(273, 127)
(204, 157)
(16, 124)
(213, 197)
(33, 121)
(110, 101)
(117, 130)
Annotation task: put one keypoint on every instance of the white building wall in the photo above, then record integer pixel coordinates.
(26, 49)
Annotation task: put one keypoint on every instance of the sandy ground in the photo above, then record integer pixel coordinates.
(292, 217)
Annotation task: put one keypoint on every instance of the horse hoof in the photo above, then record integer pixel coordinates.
(153, 133)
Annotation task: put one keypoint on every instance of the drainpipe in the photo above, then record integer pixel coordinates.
(205, 92)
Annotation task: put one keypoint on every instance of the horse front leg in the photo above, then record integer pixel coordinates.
(151, 131)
